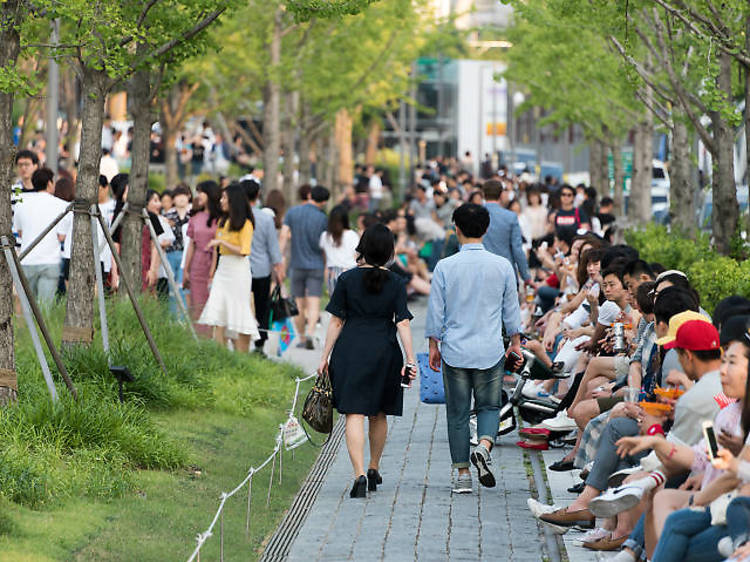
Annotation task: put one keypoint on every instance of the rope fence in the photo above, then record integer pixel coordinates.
(201, 538)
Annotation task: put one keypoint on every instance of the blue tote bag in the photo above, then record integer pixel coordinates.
(431, 389)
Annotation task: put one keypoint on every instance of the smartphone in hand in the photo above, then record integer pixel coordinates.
(710, 436)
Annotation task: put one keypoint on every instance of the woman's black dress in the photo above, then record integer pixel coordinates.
(366, 361)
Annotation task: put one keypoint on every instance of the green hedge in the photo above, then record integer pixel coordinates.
(714, 276)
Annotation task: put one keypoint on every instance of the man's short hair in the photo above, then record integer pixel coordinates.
(616, 268)
(565, 235)
(389, 215)
(103, 182)
(619, 251)
(734, 305)
(41, 178)
(492, 190)
(673, 300)
(252, 188)
(320, 194)
(634, 268)
(304, 192)
(644, 297)
(29, 155)
(606, 202)
(473, 220)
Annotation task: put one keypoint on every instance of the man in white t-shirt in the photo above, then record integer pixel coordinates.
(375, 187)
(31, 216)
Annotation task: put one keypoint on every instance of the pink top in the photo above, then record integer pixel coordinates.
(199, 232)
(729, 419)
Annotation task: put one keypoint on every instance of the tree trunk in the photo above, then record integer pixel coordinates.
(639, 206)
(79, 313)
(330, 159)
(747, 114)
(271, 102)
(619, 171)
(171, 169)
(373, 139)
(725, 211)
(287, 142)
(140, 95)
(173, 112)
(596, 176)
(10, 45)
(305, 143)
(681, 192)
(70, 103)
(343, 143)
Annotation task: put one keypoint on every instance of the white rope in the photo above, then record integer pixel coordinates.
(201, 538)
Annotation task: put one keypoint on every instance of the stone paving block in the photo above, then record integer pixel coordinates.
(413, 515)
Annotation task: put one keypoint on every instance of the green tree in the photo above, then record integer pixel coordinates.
(105, 43)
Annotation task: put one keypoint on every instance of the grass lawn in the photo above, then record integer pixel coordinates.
(214, 426)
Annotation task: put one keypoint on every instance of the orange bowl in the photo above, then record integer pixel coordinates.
(655, 408)
(670, 393)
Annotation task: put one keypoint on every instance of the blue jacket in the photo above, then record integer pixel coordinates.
(504, 238)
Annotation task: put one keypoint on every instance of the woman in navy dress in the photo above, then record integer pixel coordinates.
(368, 309)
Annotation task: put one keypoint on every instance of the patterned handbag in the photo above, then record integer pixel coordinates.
(431, 389)
(318, 408)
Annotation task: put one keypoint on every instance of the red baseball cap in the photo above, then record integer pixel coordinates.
(695, 335)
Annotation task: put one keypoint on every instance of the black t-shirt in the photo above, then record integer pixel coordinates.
(605, 219)
(570, 221)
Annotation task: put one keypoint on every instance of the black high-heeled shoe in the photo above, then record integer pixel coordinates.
(373, 479)
(359, 490)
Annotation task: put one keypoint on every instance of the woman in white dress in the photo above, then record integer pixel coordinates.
(228, 306)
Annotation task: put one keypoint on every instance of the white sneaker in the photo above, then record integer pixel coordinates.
(615, 501)
(622, 556)
(725, 547)
(561, 422)
(538, 509)
(593, 535)
(462, 484)
(619, 477)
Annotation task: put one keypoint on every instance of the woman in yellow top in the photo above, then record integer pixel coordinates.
(228, 306)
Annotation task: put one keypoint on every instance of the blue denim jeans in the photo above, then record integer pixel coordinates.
(637, 539)
(487, 387)
(738, 520)
(688, 536)
(175, 261)
(607, 462)
(42, 281)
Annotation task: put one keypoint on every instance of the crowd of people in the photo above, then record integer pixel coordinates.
(636, 367)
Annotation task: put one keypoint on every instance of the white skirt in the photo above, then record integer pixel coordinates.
(228, 303)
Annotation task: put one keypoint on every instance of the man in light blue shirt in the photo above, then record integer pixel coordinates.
(473, 297)
(503, 236)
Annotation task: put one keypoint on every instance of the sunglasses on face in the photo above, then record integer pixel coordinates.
(566, 194)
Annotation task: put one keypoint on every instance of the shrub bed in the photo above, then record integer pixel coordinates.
(714, 276)
(91, 447)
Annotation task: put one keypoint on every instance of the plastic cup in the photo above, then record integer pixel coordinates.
(631, 394)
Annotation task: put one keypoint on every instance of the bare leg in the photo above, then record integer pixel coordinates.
(598, 366)
(219, 335)
(582, 501)
(355, 442)
(665, 503)
(420, 285)
(312, 313)
(242, 343)
(378, 432)
(299, 320)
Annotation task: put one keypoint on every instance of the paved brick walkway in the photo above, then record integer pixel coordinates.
(413, 515)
